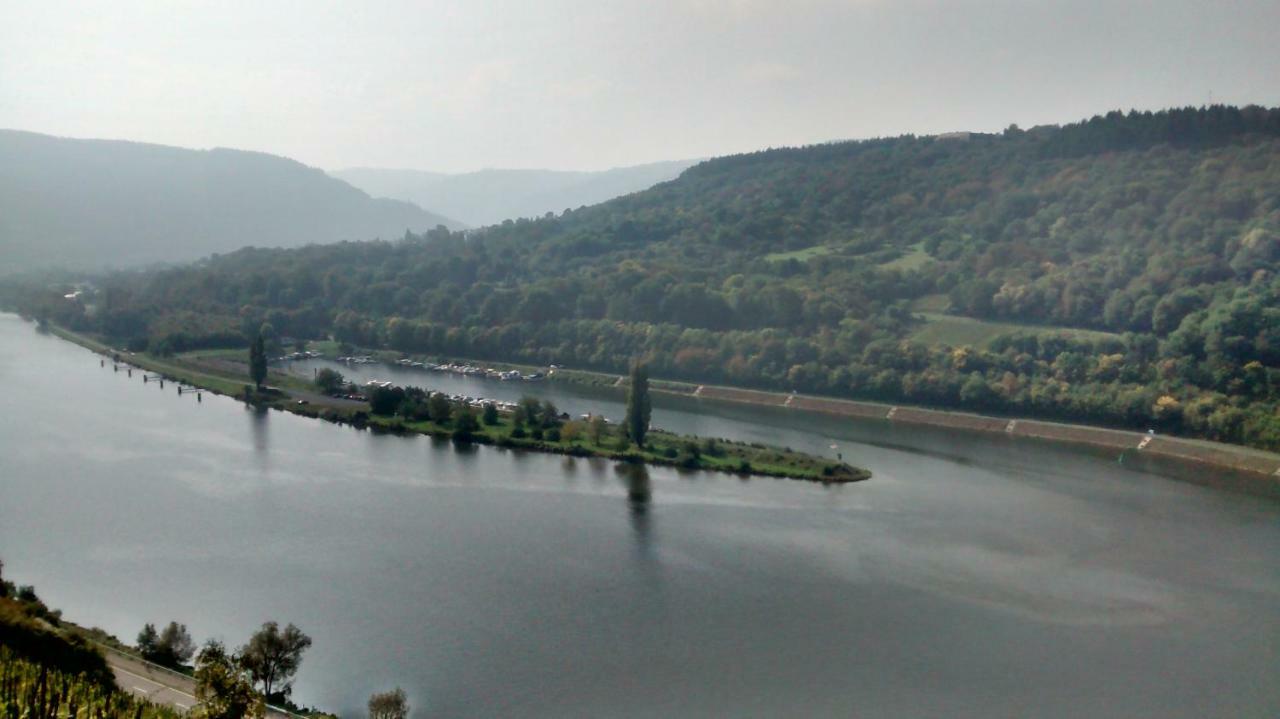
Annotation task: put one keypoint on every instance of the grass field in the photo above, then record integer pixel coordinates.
(938, 303)
(957, 331)
(912, 260)
(800, 255)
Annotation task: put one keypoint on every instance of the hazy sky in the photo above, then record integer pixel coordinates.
(457, 86)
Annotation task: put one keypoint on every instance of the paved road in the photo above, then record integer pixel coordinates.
(153, 683)
(158, 684)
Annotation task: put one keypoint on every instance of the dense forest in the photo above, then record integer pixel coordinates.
(1120, 270)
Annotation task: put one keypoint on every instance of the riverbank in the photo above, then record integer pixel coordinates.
(289, 393)
(1201, 461)
(1257, 465)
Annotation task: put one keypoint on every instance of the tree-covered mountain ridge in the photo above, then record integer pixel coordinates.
(1119, 270)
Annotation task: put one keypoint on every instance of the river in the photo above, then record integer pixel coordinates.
(969, 577)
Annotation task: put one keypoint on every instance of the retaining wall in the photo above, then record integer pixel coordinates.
(1257, 465)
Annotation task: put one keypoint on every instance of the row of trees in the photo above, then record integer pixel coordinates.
(531, 417)
(268, 661)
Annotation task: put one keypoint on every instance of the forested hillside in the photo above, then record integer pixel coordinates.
(1120, 270)
(104, 203)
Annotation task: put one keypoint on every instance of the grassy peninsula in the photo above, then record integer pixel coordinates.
(226, 373)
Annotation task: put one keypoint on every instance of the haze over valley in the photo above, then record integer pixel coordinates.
(93, 204)
(487, 197)
(628, 359)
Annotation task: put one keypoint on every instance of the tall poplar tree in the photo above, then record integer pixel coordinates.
(258, 361)
(638, 407)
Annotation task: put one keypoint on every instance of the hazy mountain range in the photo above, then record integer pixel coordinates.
(490, 196)
(107, 203)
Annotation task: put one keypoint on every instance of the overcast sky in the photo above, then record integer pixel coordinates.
(456, 86)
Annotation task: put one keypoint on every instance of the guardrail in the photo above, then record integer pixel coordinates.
(166, 670)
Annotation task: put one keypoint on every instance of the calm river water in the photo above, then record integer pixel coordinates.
(969, 577)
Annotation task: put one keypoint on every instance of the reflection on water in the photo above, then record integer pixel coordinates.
(639, 497)
(967, 578)
(258, 427)
(639, 489)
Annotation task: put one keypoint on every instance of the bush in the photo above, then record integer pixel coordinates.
(385, 400)
(329, 381)
(464, 424)
(23, 633)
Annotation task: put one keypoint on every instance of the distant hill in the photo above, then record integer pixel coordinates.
(488, 197)
(107, 203)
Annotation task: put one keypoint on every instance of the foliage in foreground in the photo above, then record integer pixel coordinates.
(224, 687)
(45, 674)
(34, 690)
(389, 705)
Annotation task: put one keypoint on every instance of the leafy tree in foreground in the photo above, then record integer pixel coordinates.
(638, 405)
(389, 705)
(223, 690)
(257, 361)
(490, 414)
(273, 656)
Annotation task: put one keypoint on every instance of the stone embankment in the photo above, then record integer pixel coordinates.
(1255, 464)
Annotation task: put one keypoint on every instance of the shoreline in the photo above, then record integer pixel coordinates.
(730, 456)
(1256, 471)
